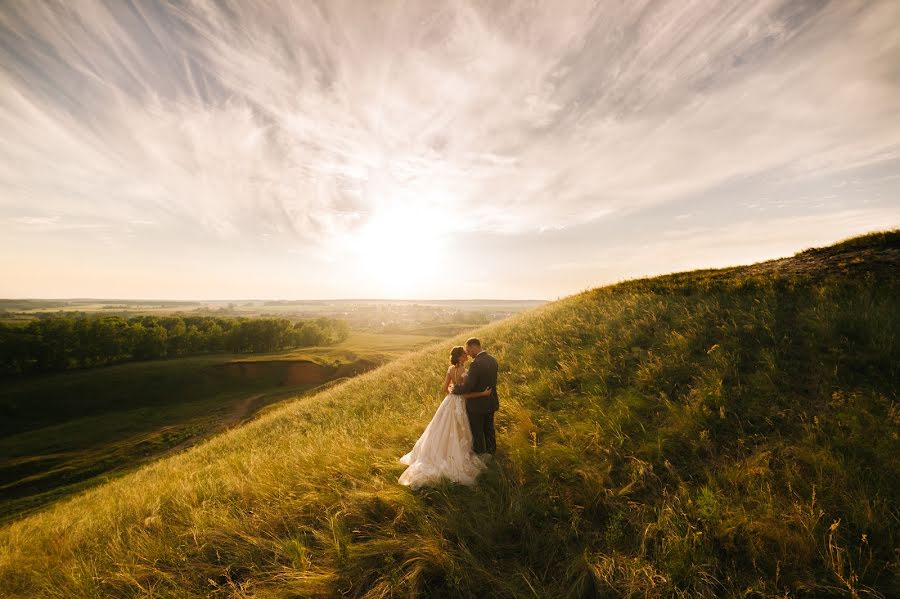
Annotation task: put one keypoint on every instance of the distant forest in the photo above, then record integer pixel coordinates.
(56, 343)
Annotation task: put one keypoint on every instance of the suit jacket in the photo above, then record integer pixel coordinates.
(482, 374)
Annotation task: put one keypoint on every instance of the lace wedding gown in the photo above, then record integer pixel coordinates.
(445, 448)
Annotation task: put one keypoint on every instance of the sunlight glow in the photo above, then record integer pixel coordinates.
(400, 251)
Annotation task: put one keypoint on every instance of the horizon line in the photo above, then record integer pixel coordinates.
(232, 300)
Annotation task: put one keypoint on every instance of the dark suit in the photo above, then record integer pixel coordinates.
(482, 374)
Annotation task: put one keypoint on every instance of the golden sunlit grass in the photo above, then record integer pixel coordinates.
(708, 434)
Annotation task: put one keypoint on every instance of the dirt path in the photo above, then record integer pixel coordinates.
(240, 412)
(243, 410)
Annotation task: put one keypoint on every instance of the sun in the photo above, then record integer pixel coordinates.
(399, 253)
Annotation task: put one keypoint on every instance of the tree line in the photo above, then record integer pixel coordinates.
(56, 343)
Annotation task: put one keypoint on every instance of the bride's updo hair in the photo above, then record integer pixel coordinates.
(456, 353)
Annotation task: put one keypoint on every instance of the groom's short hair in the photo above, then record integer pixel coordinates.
(473, 341)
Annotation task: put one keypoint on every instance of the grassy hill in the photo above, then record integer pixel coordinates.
(63, 432)
(726, 433)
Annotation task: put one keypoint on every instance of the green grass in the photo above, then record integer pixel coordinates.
(59, 397)
(69, 431)
(727, 433)
(45, 464)
(53, 398)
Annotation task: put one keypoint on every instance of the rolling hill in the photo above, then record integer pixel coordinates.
(717, 433)
(63, 432)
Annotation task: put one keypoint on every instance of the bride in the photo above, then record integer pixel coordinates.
(445, 448)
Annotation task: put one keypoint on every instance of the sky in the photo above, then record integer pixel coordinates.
(439, 149)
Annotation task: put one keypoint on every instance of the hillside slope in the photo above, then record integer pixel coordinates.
(706, 434)
(63, 432)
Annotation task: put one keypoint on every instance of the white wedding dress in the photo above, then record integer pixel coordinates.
(445, 448)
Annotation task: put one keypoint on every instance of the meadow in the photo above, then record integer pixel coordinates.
(716, 433)
(65, 432)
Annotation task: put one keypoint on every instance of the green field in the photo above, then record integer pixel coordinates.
(378, 347)
(718, 433)
(65, 432)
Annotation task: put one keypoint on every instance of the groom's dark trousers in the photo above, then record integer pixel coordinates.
(482, 375)
(484, 438)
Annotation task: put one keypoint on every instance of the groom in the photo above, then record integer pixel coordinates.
(482, 375)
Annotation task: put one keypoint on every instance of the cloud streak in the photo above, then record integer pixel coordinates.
(303, 122)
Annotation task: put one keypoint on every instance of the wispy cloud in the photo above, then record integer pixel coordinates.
(307, 118)
(306, 121)
(51, 223)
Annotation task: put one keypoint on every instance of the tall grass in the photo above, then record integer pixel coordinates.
(709, 434)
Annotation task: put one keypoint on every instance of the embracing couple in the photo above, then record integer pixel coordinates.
(460, 439)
